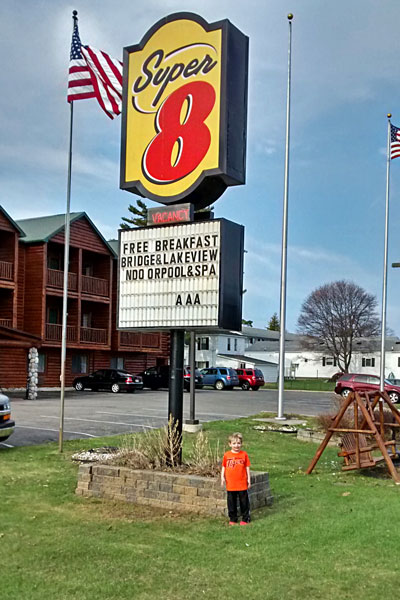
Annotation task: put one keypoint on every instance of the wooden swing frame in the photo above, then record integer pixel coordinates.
(356, 451)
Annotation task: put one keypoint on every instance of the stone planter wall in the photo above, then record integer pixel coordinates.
(173, 491)
(309, 435)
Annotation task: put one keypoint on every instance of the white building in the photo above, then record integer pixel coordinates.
(259, 348)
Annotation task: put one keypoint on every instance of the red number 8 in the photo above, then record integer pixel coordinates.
(192, 136)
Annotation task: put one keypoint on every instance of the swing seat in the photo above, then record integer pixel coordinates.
(366, 459)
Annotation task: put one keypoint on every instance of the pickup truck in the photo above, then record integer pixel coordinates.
(7, 426)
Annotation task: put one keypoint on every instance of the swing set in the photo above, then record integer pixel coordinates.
(366, 434)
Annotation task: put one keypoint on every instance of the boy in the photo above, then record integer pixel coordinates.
(236, 474)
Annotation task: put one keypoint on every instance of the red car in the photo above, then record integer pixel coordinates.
(352, 382)
(250, 378)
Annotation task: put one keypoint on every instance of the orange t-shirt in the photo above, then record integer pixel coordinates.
(235, 464)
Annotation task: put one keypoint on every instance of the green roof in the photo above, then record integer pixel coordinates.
(114, 245)
(42, 229)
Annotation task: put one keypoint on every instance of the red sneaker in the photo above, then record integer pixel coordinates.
(232, 523)
(244, 523)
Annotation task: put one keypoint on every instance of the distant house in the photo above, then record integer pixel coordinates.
(259, 348)
(301, 362)
(31, 300)
(230, 349)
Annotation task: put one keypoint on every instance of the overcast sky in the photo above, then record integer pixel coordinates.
(344, 81)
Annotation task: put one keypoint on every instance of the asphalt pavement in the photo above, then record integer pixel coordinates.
(91, 414)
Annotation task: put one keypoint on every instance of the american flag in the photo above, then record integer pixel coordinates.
(394, 141)
(94, 74)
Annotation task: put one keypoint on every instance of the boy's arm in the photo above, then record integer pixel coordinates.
(248, 477)
(222, 476)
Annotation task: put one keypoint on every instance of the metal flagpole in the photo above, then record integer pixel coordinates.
(385, 263)
(66, 267)
(281, 381)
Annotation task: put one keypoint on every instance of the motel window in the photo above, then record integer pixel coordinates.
(87, 319)
(42, 362)
(228, 344)
(368, 362)
(235, 344)
(80, 363)
(53, 316)
(117, 362)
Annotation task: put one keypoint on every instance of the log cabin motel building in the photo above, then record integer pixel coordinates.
(31, 296)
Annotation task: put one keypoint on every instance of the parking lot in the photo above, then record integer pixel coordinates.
(92, 414)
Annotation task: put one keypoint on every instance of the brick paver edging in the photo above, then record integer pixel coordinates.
(174, 491)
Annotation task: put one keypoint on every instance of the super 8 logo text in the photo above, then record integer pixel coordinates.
(174, 117)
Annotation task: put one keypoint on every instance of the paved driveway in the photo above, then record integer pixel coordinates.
(92, 414)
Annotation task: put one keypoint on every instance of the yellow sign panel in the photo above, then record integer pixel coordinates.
(173, 108)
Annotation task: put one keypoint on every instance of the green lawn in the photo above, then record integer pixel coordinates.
(329, 535)
(316, 385)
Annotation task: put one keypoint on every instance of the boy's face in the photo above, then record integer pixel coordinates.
(235, 444)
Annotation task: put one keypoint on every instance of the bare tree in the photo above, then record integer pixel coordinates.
(337, 313)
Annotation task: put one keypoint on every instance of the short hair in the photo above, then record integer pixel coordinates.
(235, 436)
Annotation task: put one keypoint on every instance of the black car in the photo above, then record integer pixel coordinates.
(158, 377)
(116, 380)
(7, 426)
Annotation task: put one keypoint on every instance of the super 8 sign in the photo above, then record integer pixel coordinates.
(185, 111)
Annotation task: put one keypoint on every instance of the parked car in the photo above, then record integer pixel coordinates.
(158, 377)
(198, 379)
(352, 382)
(7, 426)
(220, 377)
(250, 378)
(116, 380)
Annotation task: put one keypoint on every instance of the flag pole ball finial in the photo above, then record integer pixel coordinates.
(389, 115)
(74, 14)
(290, 16)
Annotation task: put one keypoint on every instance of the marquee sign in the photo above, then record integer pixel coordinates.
(185, 111)
(187, 276)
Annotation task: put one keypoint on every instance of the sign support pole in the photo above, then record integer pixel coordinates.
(192, 366)
(175, 393)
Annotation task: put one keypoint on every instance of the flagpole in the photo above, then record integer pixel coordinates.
(66, 267)
(282, 328)
(385, 263)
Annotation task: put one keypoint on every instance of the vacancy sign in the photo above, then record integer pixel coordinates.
(185, 276)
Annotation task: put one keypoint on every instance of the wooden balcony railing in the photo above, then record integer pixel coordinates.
(150, 340)
(90, 335)
(6, 322)
(95, 286)
(129, 339)
(54, 333)
(139, 340)
(55, 279)
(6, 270)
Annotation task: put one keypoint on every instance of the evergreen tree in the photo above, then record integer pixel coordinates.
(140, 216)
(274, 324)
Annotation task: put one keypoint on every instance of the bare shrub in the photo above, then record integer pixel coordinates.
(154, 449)
(204, 460)
(160, 450)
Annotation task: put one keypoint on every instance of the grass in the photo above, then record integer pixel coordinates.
(328, 535)
(316, 385)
